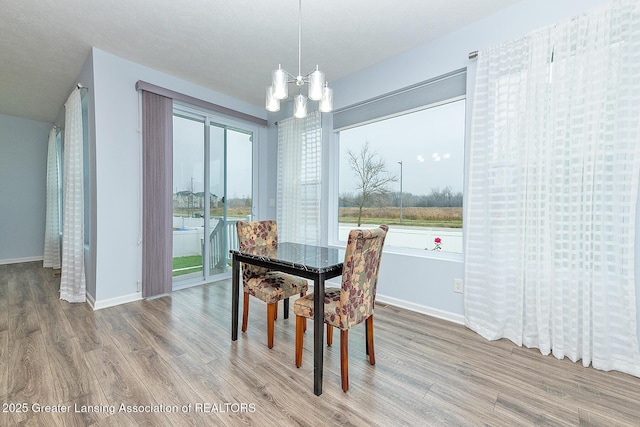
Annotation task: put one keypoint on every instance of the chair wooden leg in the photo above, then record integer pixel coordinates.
(275, 314)
(329, 335)
(344, 359)
(301, 322)
(271, 308)
(245, 312)
(370, 350)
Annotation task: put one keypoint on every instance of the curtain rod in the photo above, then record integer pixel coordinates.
(168, 93)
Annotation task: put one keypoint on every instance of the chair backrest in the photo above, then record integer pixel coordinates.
(360, 274)
(256, 233)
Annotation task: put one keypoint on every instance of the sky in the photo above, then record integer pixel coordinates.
(430, 144)
(188, 159)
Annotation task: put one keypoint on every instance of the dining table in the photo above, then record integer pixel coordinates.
(317, 263)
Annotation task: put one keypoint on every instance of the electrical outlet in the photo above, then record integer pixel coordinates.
(457, 285)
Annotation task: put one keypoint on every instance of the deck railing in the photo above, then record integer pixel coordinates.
(223, 232)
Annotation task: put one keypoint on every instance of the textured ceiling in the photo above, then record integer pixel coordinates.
(229, 46)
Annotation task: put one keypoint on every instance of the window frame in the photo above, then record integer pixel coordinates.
(211, 118)
(334, 169)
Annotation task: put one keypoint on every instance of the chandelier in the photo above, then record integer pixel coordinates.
(318, 89)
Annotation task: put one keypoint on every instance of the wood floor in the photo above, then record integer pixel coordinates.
(170, 361)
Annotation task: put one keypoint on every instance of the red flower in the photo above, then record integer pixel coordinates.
(438, 240)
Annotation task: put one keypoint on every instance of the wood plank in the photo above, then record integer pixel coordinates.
(54, 323)
(154, 332)
(4, 332)
(19, 299)
(70, 372)
(209, 386)
(85, 328)
(4, 364)
(121, 385)
(178, 349)
(532, 410)
(167, 388)
(29, 378)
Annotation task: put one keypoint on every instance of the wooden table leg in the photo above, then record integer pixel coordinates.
(235, 297)
(318, 332)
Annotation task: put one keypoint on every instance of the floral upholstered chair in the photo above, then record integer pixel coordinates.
(269, 286)
(351, 304)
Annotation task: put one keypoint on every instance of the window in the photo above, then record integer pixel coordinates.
(212, 158)
(299, 179)
(406, 171)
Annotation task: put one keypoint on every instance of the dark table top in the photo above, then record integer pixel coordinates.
(316, 259)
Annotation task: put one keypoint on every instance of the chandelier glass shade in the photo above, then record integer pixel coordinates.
(318, 89)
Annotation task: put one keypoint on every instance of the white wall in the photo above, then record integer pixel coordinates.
(118, 173)
(426, 283)
(85, 78)
(23, 171)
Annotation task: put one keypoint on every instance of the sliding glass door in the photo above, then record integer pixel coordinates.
(230, 183)
(212, 190)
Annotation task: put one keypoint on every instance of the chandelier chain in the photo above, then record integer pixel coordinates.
(318, 89)
(299, 38)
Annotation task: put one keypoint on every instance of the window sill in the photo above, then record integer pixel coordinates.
(416, 253)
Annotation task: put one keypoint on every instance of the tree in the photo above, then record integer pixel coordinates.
(372, 177)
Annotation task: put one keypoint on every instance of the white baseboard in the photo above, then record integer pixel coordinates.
(429, 311)
(97, 305)
(19, 260)
(91, 301)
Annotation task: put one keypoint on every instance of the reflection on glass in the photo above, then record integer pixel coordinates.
(188, 198)
(231, 191)
(212, 190)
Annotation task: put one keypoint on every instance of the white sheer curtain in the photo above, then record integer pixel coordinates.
(554, 169)
(52, 217)
(72, 280)
(299, 179)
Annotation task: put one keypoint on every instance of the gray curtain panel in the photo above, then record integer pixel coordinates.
(157, 210)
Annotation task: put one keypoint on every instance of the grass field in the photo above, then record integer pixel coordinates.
(424, 217)
(240, 212)
(187, 264)
(420, 217)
